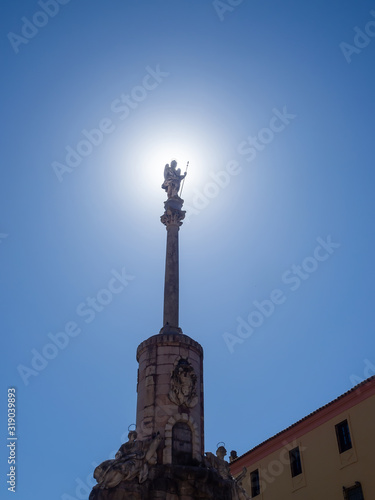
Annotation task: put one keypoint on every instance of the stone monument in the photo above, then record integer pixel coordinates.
(164, 458)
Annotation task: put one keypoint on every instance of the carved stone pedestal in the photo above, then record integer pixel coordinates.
(164, 459)
(174, 482)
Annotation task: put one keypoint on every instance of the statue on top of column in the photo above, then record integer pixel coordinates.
(172, 179)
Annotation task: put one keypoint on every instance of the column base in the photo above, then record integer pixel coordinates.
(169, 329)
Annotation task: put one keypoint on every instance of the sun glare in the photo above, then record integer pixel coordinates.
(162, 151)
(151, 152)
(141, 161)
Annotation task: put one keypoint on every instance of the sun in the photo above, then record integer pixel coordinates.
(141, 154)
(151, 152)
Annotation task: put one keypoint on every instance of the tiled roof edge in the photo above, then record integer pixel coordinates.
(355, 388)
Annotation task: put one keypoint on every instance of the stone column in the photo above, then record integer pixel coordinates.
(172, 219)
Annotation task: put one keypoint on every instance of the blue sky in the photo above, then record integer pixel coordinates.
(273, 104)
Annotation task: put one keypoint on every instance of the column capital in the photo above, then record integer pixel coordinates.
(173, 215)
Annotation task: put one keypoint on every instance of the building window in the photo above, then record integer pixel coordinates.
(354, 492)
(295, 462)
(254, 480)
(343, 436)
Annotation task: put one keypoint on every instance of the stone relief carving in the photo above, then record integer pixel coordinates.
(219, 463)
(183, 389)
(132, 460)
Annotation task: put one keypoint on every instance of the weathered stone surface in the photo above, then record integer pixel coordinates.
(174, 367)
(172, 218)
(174, 482)
(149, 345)
(183, 384)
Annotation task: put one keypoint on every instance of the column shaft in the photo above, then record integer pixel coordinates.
(171, 284)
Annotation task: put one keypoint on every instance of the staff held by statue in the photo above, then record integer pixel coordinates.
(183, 181)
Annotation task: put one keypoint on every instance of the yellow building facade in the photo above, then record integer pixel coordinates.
(328, 455)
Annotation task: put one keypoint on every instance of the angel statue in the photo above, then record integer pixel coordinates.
(172, 179)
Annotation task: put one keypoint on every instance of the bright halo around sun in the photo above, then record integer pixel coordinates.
(162, 149)
(146, 149)
(141, 150)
